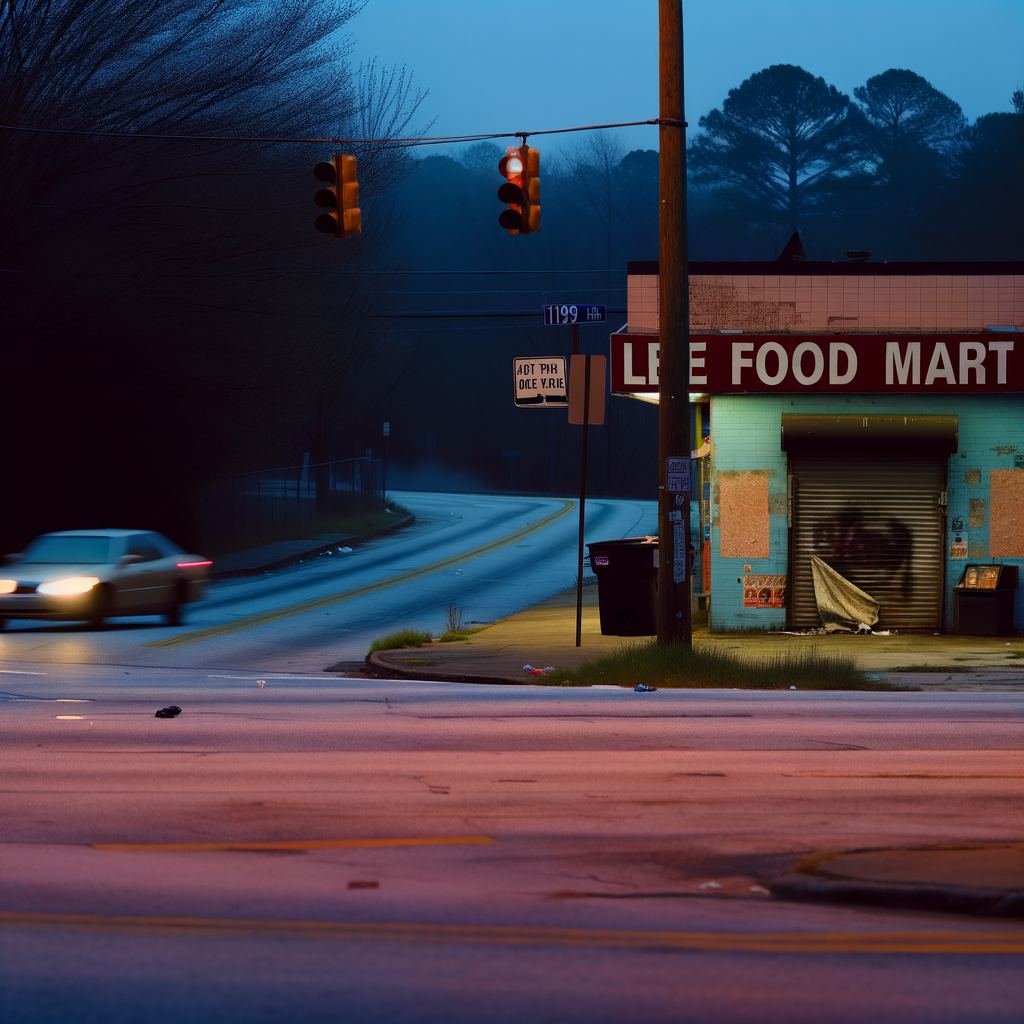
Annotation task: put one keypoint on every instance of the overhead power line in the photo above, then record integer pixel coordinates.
(398, 143)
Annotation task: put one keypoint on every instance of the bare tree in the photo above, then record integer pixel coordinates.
(590, 169)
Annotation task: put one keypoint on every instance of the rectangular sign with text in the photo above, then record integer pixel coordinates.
(574, 313)
(540, 382)
(876, 363)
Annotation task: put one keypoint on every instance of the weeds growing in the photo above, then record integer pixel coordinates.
(701, 667)
(403, 638)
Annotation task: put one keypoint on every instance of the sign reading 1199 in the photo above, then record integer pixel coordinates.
(556, 316)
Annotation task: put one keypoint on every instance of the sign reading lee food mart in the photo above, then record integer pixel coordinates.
(739, 363)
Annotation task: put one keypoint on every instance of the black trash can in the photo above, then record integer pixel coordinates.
(983, 600)
(627, 585)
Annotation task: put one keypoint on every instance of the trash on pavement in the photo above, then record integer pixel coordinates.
(260, 682)
(641, 688)
(169, 712)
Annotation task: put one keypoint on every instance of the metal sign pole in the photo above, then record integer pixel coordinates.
(583, 501)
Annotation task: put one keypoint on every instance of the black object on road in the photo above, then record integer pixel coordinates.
(983, 600)
(643, 688)
(627, 585)
(169, 712)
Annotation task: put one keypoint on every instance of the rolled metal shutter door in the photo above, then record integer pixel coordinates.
(877, 520)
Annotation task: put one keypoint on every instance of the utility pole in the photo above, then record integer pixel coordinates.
(674, 587)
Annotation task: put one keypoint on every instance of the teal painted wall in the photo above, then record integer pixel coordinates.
(746, 432)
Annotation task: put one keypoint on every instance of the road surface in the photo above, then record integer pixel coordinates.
(341, 849)
(490, 555)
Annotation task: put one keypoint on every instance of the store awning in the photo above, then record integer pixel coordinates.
(909, 435)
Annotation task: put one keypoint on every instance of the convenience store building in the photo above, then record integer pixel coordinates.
(866, 413)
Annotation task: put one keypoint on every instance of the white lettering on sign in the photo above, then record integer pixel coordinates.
(835, 350)
(818, 358)
(940, 366)
(781, 368)
(697, 362)
(1000, 348)
(739, 363)
(627, 357)
(909, 365)
(654, 364)
(972, 357)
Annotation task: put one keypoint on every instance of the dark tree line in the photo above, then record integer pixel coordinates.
(897, 170)
(170, 315)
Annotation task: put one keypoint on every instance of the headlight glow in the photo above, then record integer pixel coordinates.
(8, 586)
(72, 585)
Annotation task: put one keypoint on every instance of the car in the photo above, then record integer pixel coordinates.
(92, 575)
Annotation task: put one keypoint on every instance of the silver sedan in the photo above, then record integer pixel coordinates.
(95, 574)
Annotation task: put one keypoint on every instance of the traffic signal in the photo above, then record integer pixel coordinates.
(340, 197)
(522, 190)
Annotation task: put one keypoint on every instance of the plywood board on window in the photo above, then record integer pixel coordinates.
(743, 514)
(1006, 513)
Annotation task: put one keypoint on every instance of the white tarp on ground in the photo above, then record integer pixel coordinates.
(839, 601)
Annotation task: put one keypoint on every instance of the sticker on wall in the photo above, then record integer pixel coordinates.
(762, 591)
(958, 549)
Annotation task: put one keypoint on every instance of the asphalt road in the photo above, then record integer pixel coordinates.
(339, 849)
(490, 555)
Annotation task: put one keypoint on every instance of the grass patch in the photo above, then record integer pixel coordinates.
(458, 634)
(403, 638)
(676, 666)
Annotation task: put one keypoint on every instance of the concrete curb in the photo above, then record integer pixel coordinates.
(380, 669)
(281, 563)
(935, 898)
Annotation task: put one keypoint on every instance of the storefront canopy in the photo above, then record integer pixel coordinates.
(909, 435)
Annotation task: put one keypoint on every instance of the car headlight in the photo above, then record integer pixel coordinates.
(8, 586)
(72, 585)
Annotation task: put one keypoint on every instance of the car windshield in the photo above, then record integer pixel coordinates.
(68, 550)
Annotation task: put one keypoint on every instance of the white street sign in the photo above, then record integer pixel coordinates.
(540, 382)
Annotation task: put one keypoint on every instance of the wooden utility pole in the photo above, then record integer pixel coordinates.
(674, 587)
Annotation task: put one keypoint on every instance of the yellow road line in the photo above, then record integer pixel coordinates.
(294, 844)
(369, 588)
(462, 934)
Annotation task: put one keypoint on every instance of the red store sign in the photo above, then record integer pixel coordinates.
(739, 363)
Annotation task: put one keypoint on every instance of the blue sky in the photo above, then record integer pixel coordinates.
(532, 64)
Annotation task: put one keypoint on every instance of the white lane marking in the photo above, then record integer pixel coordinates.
(15, 672)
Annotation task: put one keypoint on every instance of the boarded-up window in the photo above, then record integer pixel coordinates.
(743, 514)
(1006, 513)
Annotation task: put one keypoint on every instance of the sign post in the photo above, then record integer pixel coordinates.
(586, 406)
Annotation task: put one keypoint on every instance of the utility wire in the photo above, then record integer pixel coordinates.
(431, 140)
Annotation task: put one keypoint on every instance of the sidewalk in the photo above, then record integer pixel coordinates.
(546, 636)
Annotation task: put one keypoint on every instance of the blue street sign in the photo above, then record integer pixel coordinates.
(558, 316)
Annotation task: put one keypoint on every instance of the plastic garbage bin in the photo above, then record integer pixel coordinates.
(983, 600)
(627, 585)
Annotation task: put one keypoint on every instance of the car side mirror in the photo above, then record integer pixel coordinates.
(130, 559)
(16, 557)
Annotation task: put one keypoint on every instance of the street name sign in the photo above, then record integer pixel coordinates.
(540, 382)
(559, 316)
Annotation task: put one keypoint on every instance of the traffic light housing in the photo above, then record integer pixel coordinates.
(340, 198)
(521, 166)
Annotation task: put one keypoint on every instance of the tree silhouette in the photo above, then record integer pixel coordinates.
(783, 137)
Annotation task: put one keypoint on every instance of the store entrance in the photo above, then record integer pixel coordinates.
(879, 521)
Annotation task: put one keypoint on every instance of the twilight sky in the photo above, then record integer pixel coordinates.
(531, 64)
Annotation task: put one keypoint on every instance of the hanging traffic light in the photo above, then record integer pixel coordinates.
(340, 198)
(521, 191)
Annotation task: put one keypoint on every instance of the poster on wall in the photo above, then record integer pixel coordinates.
(763, 591)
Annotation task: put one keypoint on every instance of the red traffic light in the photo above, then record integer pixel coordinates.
(522, 190)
